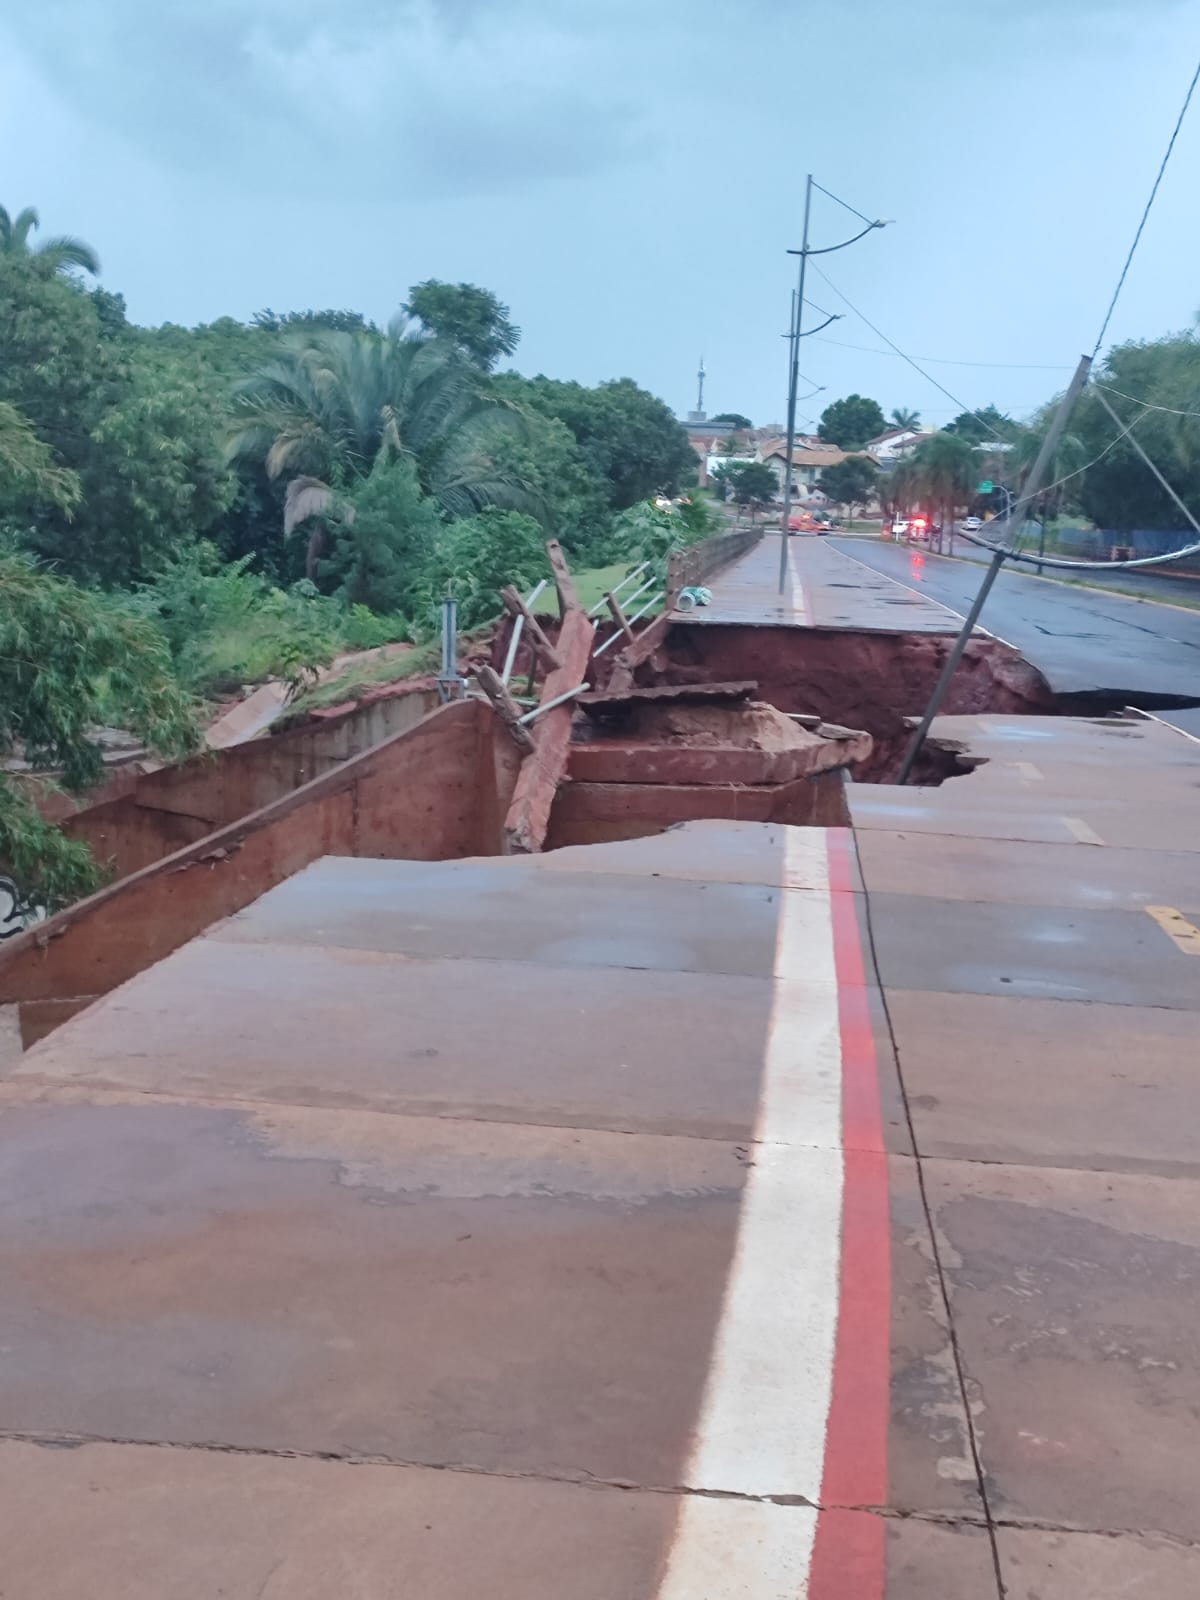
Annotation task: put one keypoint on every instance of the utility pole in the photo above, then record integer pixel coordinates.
(793, 384)
(794, 338)
(1030, 490)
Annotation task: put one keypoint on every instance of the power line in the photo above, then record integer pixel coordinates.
(828, 193)
(928, 376)
(1149, 405)
(1137, 238)
(944, 361)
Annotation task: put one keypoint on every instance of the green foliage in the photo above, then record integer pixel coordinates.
(58, 255)
(471, 319)
(335, 408)
(68, 659)
(288, 321)
(851, 423)
(27, 471)
(905, 417)
(985, 426)
(1118, 490)
(478, 555)
(751, 483)
(652, 533)
(943, 471)
(385, 540)
(626, 436)
(850, 482)
(735, 419)
(227, 626)
(564, 494)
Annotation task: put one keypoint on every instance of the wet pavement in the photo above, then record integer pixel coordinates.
(738, 1213)
(822, 589)
(1082, 641)
(429, 1225)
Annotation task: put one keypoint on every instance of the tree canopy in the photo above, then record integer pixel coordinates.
(466, 316)
(851, 423)
(59, 254)
(850, 482)
(987, 425)
(735, 419)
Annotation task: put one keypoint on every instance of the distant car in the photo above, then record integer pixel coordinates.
(899, 529)
(972, 524)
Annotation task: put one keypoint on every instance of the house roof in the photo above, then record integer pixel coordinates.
(893, 433)
(806, 454)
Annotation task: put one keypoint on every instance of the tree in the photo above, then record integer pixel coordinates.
(384, 539)
(336, 407)
(945, 472)
(851, 482)
(735, 419)
(984, 426)
(752, 484)
(288, 321)
(70, 660)
(27, 470)
(903, 417)
(1118, 491)
(626, 436)
(851, 423)
(470, 318)
(59, 254)
(475, 557)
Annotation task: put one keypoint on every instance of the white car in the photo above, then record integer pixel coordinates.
(972, 524)
(899, 529)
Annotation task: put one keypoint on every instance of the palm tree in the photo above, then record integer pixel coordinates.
(337, 406)
(946, 471)
(903, 418)
(61, 254)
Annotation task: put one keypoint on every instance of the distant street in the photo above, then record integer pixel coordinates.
(1081, 641)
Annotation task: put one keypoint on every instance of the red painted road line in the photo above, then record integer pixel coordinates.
(848, 1555)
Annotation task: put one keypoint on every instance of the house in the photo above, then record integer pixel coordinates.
(810, 457)
(706, 439)
(894, 445)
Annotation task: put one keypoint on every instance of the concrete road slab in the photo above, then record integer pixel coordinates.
(1051, 1081)
(1103, 742)
(486, 910)
(825, 589)
(919, 1560)
(1071, 1566)
(716, 852)
(317, 1281)
(931, 1468)
(1076, 1301)
(954, 811)
(1023, 873)
(110, 1522)
(595, 1047)
(955, 946)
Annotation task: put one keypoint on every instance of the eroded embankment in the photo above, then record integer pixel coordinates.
(872, 681)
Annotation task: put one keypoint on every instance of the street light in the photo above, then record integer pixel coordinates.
(794, 365)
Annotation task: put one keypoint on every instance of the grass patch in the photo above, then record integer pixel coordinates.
(358, 681)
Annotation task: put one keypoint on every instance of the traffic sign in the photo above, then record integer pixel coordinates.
(985, 487)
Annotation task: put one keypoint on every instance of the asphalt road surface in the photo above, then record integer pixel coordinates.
(1083, 642)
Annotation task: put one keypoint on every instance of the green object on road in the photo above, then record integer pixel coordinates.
(985, 487)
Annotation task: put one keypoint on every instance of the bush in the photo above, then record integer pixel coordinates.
(478, 556)
(227, 626)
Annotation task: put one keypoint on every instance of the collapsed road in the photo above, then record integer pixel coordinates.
(1091, 647)
(739, 1211)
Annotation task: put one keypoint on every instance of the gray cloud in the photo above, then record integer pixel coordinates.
(426, 96)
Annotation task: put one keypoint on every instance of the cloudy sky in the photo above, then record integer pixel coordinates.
(627, 174)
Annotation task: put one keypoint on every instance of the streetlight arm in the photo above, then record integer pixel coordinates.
(808, 332)
(830, 248)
